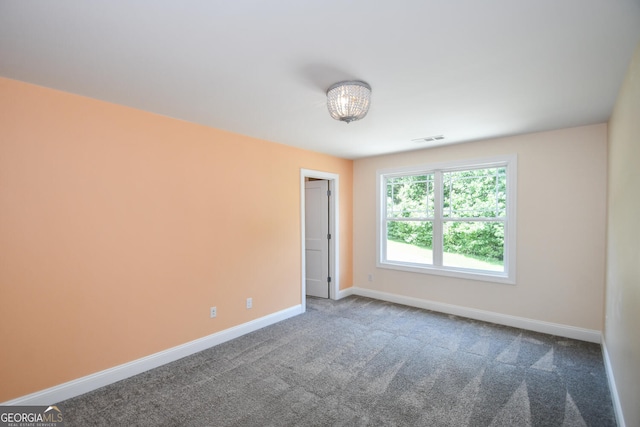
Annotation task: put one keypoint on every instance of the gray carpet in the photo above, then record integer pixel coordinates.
(359, 361)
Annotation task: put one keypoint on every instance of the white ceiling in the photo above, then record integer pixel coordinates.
(466, 69)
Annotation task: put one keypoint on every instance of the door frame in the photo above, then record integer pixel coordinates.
(334, 228)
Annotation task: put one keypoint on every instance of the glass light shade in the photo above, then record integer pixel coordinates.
(348, 101)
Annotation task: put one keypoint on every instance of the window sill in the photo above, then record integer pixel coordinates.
(483, 276)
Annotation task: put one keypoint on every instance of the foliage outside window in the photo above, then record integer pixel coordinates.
(453, 219)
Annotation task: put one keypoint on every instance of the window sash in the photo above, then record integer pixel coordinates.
(450, 179)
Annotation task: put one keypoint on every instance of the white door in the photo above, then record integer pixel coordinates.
(316, 208)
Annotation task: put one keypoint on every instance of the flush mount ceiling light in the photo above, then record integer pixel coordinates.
(348, 101)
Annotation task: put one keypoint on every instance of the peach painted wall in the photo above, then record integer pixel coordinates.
(621, 337)
(561, 217)
(119, 228)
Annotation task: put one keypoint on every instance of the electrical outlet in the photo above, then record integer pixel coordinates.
(249, 302)
(371, 277)
(213, 312)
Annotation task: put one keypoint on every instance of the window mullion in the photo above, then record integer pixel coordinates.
(385, 218)
(497, 208)
(437, 220)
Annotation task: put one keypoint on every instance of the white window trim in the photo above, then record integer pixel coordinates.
(508, 276)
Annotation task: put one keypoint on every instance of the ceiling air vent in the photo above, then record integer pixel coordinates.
(429, 138)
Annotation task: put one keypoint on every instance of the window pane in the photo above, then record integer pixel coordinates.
(410, 241)
(477, 245)
(410, 196)
(477, 193)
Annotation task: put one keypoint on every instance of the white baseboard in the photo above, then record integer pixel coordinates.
(100, 379)
(486, 316)
(109, 376)
(343, 293)
(617, 407)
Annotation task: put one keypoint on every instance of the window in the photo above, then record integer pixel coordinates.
(454, 219)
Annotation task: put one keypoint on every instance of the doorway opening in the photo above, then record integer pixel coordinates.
(317, 237)
(334, 227)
